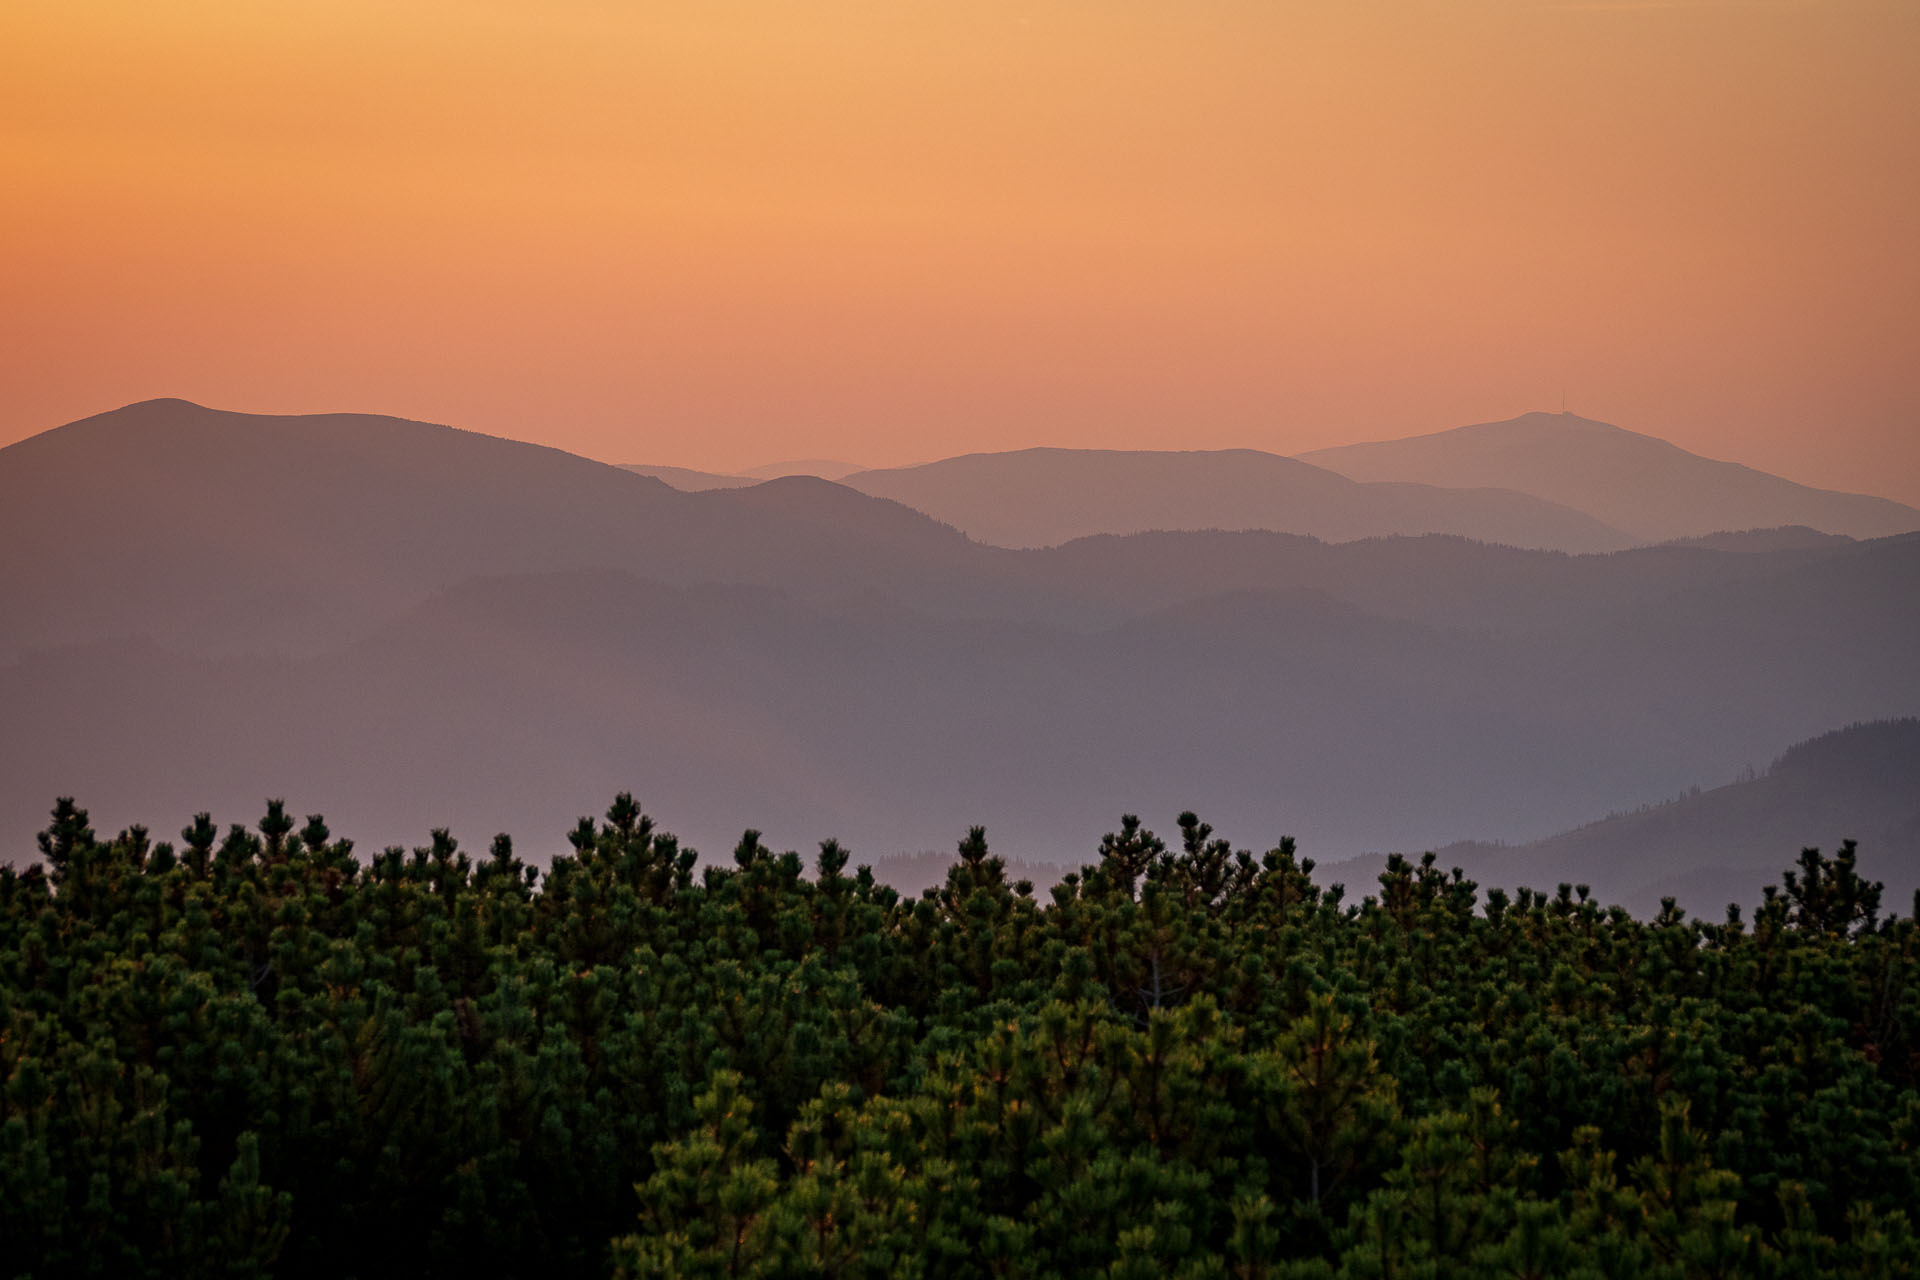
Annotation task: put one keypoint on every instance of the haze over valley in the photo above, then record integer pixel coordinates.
(412, 626)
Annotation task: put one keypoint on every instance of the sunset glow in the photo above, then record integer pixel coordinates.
(723, 233)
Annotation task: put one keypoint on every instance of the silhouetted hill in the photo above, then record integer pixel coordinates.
(690, 481)
(1708, 848)
(823, 504)
(474, 631)
(819, 468)
(226, 532)
(1649, 488)
(223, 533)
(1043, 497)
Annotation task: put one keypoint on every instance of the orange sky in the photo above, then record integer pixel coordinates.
(721, 232)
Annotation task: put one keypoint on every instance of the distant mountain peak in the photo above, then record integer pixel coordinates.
(1552, 420)
(164, 402)
(157, 410)
(1651, 488)
(820, 468)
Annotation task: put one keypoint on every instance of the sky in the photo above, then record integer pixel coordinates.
(724, 233)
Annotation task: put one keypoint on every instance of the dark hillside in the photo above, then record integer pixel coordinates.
(224, 532)
(218, 533)
(1709, 848)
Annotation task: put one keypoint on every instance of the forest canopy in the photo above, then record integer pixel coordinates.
(257, 1052)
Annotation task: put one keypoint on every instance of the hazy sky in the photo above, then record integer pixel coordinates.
(721, 232)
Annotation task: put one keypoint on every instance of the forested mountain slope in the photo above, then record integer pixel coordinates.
(1778, 538)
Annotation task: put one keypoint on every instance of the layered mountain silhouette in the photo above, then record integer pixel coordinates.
(1653, 490)
(819, 468)
(218, 532)
(229, 532)
(693, 481)
(409, 626)
(516, 703)
(1043, 497)
(1709, 848)
(689, 480)
(1543, 481)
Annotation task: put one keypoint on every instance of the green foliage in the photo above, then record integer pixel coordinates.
(257, 1053)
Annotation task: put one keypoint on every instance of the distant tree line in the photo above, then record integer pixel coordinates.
(251, 1052)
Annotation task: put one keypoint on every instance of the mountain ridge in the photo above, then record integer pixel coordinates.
(1040, 497)
(222, 531)
(421, 625)
(1646, 486)
(1711, 846)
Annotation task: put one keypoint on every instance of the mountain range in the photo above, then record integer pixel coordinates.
(1649, 488)
(410, 626)
(237, 533)
(1552, 481)
(1043, 497)
(693, 481)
